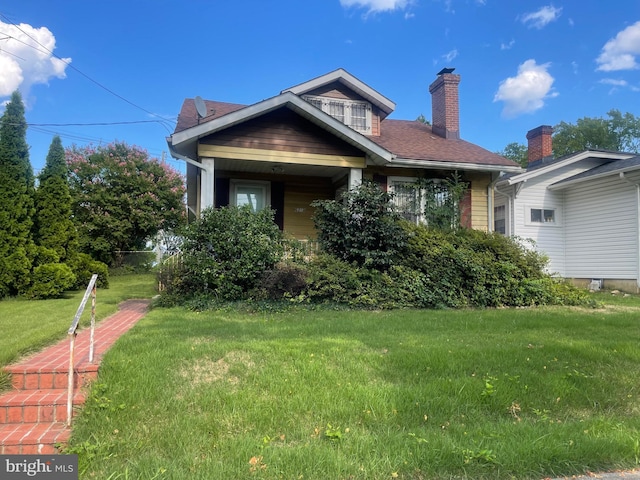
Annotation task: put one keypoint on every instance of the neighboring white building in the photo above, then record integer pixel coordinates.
(581, 210)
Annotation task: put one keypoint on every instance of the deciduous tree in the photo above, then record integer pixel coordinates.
(619, 132)
(122, 198)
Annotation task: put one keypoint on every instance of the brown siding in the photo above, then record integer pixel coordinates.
(335, 90)
(282, 130)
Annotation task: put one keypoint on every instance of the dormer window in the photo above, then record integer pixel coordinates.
(354, 114)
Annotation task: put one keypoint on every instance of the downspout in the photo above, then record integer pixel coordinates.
(190, 161)
(490, 189)
(637, 185)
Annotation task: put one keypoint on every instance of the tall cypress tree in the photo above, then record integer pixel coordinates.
(16, 200)
(53, 225)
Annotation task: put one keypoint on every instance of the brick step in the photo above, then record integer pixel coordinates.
(39, 378)
(34, 406)
(32, 438)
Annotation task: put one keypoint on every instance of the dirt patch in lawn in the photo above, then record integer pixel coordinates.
(206, 370)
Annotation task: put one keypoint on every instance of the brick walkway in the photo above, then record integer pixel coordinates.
(33, 414)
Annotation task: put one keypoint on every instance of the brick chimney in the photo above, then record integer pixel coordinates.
(445, 111)
(540, 145)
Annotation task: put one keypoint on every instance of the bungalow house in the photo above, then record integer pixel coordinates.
(581, 210)
(317, 139)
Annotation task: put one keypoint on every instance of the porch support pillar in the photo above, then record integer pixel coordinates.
(207, 183)
(355, 178)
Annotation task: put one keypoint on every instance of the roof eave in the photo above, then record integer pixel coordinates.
(568, 161)
(440, 164)
(185, 140)
(568, 183)
(341, 75)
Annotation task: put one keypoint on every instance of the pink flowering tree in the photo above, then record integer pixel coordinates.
(122, 198)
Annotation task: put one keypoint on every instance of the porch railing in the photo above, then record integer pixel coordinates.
(73, 332)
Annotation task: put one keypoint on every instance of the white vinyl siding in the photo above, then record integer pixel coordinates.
(547, 237)
(601, 230)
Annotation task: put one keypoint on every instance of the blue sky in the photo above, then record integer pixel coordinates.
(129, 65)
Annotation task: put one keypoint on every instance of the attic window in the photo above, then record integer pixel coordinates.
(354, 114)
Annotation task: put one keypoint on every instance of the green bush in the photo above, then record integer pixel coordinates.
(226, 251)
(362, 227)
(284, 280)
(83, 267)
(51, 280)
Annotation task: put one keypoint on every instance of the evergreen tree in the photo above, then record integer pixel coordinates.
(54, 229)
(16, 200)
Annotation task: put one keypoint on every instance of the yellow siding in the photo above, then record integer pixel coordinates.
(479, 201)
(298, 212)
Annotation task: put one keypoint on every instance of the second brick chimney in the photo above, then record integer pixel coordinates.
(445, 110)
(540, 145)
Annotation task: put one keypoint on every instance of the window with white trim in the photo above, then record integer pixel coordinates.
(500, 219)
(430, 201)
(542, 215)
(255, 194)
(353, 113)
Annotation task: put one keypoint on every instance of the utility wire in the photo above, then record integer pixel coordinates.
(78, 71)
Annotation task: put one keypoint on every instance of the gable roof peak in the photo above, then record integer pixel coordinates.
(341, 75)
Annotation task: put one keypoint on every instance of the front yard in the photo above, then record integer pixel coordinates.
(327, 394)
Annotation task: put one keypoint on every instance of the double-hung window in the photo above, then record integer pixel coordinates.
(353, 113)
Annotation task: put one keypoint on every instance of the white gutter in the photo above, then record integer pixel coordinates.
(637, 185)
(490, 190)
(433, 164)
(190, 161)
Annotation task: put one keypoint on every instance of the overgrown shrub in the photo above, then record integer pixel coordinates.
(83, 267)
(226, 251)
(50, 280)
(478, 269)
(362, 227)
(284, 280)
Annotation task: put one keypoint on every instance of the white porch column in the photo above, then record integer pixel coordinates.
(207, 183)
(355, 177)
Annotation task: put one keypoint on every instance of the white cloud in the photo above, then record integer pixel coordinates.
(542, 17)
(620, 52)
(25, 58)
(374, 6)
(614, 82)
(527, 91)
(507, 46)
(449, 56)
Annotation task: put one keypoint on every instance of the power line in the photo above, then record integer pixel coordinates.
(77, 70)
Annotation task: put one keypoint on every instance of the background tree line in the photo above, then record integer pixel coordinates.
(619, 132)
(59, 228)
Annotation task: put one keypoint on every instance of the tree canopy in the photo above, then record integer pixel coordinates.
(517, 152)
(619, 132)
(122, 198)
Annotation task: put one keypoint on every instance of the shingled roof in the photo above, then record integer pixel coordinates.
(405, 139)
(413, 140)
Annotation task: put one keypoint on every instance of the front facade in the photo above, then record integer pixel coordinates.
(580, 210)
(317, 139)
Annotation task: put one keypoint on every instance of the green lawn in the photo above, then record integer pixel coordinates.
(478, 394)
(28, 325)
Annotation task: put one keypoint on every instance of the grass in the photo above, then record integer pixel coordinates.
(29, 325)
(477, 394)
